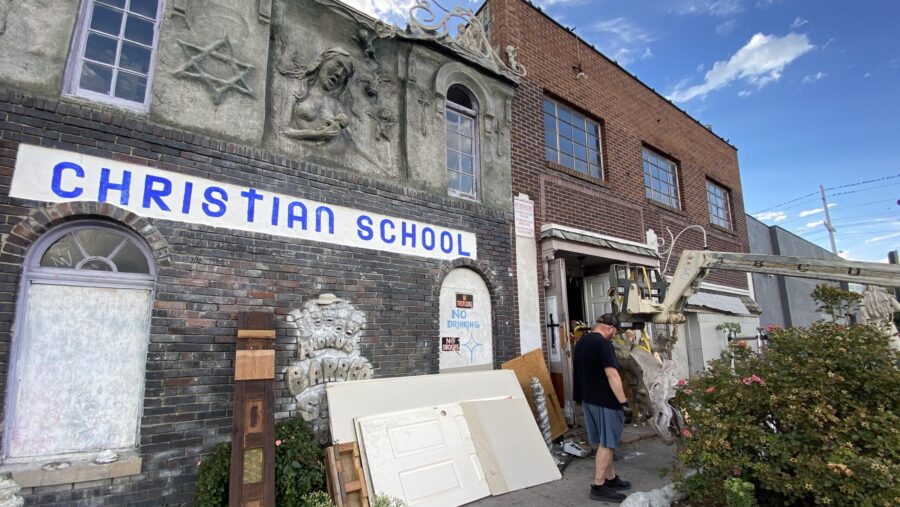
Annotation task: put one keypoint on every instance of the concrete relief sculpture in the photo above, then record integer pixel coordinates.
(216, 67)
(328, 330)
(321, 105)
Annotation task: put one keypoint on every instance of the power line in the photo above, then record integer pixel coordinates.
(848, 185)
(879, 187)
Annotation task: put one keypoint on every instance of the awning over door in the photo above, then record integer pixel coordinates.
(567, 239)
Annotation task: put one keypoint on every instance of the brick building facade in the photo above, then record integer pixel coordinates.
(381, 160)
(590, 212)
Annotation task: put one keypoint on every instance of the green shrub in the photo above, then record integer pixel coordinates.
(382, 500)
(739, 493)
(299, 462)
(813, 420)
(316, 499)
(212, 478)
(299, 469)
(835, 301)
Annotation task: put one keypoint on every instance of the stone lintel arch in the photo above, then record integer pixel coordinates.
(456, 73)
(39, 220)
(491, 280)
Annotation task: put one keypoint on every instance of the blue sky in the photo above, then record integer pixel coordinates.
(808, 91)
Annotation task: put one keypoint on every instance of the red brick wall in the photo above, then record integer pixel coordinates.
(632, 116)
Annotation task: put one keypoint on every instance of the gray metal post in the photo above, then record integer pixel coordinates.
(828, 221)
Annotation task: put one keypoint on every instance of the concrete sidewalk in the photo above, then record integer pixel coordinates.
(640, 462)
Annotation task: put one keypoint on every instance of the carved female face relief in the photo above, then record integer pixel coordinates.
(335, 72)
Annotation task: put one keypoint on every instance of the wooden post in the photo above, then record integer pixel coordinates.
(253, 443)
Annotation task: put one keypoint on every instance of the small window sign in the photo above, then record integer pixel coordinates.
(449, 344)
(464, 300)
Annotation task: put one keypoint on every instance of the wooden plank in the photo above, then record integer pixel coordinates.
(254, 364)
(256, 333)
(333, 479)
(352, 483)
(532, 365)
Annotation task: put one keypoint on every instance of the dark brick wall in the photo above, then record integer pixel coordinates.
(631, 116)
(206, 275)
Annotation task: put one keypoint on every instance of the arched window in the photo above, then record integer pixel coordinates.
(462, 143)
(80, 346)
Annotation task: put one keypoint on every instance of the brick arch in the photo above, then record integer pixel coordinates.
(40, 220)
(495, 289)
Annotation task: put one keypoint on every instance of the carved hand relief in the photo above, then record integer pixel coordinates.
(216, 67)
(328, 330)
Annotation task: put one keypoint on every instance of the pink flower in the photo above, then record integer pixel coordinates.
(278, 442)
(747, 381)
(688, 391)
(686, 433)
(681, 382)
(710, 390)
(773, 327)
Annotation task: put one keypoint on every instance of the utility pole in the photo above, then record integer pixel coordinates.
(828, 221)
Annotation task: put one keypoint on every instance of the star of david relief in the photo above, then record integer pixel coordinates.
(218, 55)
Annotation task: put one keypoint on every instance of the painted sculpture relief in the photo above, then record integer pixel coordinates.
(328, 330)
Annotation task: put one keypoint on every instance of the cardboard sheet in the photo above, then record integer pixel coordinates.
(532, 365)
(509, 444)
(361, 398)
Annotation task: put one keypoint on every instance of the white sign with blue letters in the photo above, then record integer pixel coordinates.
(52, 175)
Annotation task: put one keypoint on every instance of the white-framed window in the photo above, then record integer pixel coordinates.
(114, 51)
(661, 178)
(719, 199)
(82, 329)
(462, 143)
(572, 140)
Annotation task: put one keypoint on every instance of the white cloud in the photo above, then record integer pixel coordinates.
(551, 3)
(622, 39)
(812, 78)
(882, 238)
(771, 216)
(867, 74)
(726, 27)
(760, 62)
(701, 67)
(806, 213)
(810, 225)
(799, 22)
(745, 93)
(383, 9)
(828, 43)
(720, 8)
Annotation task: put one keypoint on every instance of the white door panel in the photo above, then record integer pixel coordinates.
(423, 456)
(596, 296)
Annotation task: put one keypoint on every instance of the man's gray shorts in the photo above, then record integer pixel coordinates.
(604, 425)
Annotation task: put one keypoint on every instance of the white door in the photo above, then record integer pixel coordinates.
(596, 297)
(423, 456)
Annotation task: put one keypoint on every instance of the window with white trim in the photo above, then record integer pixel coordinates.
(462, 143)
(719, 200)
(661, 178)
(114, 51)
(76, 381)
(572, 140)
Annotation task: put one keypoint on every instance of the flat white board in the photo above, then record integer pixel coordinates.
(509, 444)
(423, 456)
(361, 398)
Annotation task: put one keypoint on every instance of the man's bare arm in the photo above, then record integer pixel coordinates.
(615, 382)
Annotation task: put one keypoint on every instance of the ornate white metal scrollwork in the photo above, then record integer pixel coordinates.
(470, 39)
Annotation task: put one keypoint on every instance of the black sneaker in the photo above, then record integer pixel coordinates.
(617, 483)
(606, 494)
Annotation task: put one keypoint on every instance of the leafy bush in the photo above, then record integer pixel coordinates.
(299, 465)
(812, 420)
(739, 493)
(212, 478)
(299, 469)
(316, 499)
(382, 500)
(835, 301)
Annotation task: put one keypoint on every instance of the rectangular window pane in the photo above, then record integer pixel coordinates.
(115, 3)
(571, 139)
(139, 30)
(549, 124)
(466, 125)
(660, 178)
(466, 184)
(453, 141)
(465, 165)
(580, 152)
(96, 78)
(466, 146)
(131, 87)
(549, 107)
(566, 146)
(135, 58)
(551, 154)
(144, 7)
(565, 130)
(549, 139)
(566, 160)
(595, 171)
(453, 180)
(564, 115)
(101, 49)
(452, 160)
(106, 20)
(581, 166)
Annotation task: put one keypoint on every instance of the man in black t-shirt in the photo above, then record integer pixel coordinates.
(598, 386)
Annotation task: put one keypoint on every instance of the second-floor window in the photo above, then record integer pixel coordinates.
(719, 204)
(112, 58)
(572, 140)
(660, 178)
(462, 143)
